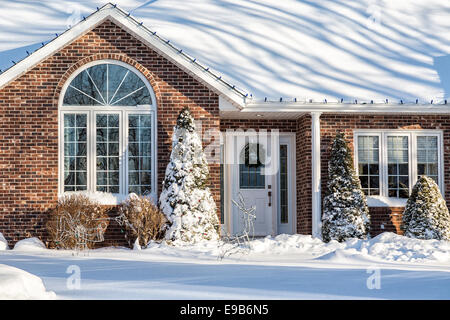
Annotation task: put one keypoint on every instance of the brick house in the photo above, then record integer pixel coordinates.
(93, 111)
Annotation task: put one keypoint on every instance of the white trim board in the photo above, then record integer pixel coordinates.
(128, 23)
(268, 108)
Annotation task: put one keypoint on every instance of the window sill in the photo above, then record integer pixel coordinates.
(105, 198)
(380, 201)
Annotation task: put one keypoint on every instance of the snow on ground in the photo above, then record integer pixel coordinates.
(284, 267)
(19, 284)
(369, 49)
(3, 242)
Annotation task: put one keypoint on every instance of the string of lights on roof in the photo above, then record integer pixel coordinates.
(153, 34)
(355, 101)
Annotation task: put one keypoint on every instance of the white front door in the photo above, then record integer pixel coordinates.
(253, 181)
(264, 174)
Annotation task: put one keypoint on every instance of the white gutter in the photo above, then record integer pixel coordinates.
(299, 107)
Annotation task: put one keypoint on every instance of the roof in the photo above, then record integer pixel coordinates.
(137, 29)
(317, 51)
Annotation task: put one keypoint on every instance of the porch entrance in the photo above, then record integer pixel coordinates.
(262, 169)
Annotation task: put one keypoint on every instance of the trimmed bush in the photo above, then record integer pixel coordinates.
(185, 199)
(77, 223)
(426, 215)
(142, 220)
(345, 211)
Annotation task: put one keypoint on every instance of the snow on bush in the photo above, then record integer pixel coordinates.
(3, 242)
(30, 244)
(142, 220)
(345, 211)
(19, 284)
(426, 215)
(185, 199)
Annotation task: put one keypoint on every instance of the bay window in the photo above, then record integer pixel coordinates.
(107, 131)
(389, 162)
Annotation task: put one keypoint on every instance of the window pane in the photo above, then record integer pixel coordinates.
(368, 164)
(427, 156)
(75, 159)
(222, 191)
(284, 216)
(139, 154)
(107, 84)
(107, 158)
(250, 176)
(398, 166)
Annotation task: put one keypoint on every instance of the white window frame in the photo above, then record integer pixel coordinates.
(91, 112)
(383, 199)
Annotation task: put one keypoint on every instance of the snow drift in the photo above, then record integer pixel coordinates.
(19, 284)
(3, 242)
(30, 244)
(386, 246)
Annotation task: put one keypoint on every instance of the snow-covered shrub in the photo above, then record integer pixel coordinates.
(345, 211)
(426, 215)
(142, 220)
(30, 244)
(185, 199)
(77, 222)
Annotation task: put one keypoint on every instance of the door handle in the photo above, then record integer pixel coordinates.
(270, 198)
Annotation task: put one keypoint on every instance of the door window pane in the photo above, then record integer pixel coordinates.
(398, 166)
(107, 159)
(75, 156)
(284, 216)
(369, 164)
(250, 176)
(139, 154)
(427, 157)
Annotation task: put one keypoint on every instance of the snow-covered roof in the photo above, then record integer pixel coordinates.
(138, 30)
(352, 49)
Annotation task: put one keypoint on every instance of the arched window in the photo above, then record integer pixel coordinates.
(107, 130)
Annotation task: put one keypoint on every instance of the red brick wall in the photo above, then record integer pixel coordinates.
(332, 123)
(29, 122)
(384, 219)
(258, 124)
